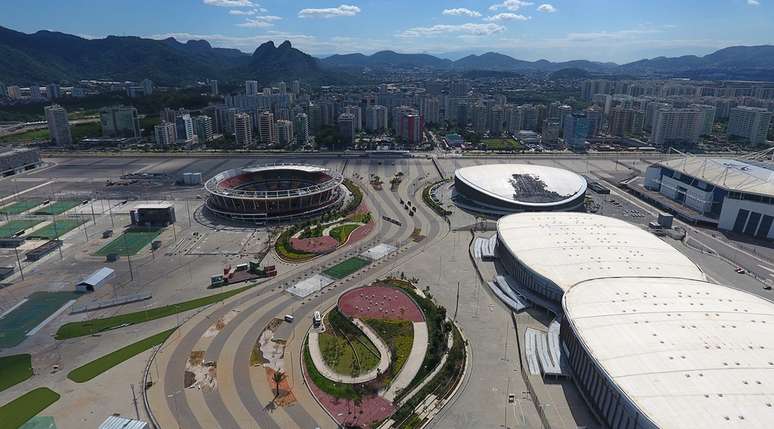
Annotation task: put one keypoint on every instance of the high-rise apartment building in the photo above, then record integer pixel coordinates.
(214, 91)
(164, 134)
(147, 86)
(376, 118)
(677, 126)
(266, 130)
(596, 86)
(346, 127)
(430, 109)
(53, 91)
(119, 121)
(576, 130)
(709, 118)
(184, 127)
(285, 132)
(203, 128)
(243, 129)
(251, 87)
(58, 125)
(35, 91)
(411, 128)
(295, 87)
(751, 123)
(14, 92)
(355, 110)
(301, 128)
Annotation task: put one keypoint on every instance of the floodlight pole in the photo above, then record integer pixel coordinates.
(21, 271)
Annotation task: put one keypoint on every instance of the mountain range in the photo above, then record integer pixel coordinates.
(47, 56)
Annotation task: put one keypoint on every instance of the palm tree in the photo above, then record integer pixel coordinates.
(277, 378)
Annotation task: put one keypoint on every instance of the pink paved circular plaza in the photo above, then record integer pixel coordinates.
(379, 302)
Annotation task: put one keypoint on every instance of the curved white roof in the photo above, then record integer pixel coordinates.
(688, 354)
(299, 167)
(568, 248)
(531, 185)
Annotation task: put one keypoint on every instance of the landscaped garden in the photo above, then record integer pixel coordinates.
(398, 318)
(304, 241)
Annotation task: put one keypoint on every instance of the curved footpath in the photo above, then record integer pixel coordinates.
(413, 363)
(319, 362)
(245, 396)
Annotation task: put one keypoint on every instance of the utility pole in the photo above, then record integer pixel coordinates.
(18, 261)
(134, 401)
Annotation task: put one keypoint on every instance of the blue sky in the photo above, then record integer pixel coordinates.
(601, 30)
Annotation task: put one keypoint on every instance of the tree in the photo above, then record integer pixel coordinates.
(277, 377)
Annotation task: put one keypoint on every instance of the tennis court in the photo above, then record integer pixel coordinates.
(38, 307)
(130, 242)
(56, 229)
(20, 207)
(11, 228)
(343, 269)
(58, 207)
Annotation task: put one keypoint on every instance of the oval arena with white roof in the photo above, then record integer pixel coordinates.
(650, 342)
(499, 189)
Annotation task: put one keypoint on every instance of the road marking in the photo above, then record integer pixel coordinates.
(50, 318)
(767, 269)
(25, 191)
(6, 312)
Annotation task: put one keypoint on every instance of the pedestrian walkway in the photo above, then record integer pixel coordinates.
(327, 372)
(413, 363)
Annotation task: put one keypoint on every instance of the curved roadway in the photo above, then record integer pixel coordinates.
(244, 396)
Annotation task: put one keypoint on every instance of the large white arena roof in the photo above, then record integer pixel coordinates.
(529, 185)
(741, 176)
(688, 354)
(568, 248)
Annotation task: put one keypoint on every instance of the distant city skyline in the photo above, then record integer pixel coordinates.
(556, 30)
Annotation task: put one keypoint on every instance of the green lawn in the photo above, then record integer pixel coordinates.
(130, 242)
(20, 207)
(28, 136)
(52, 231)
(78, 131)
(354, 357)
(501, 144)
(58, 207)
(89, 327)
(338, 390)
(399, 337)
(14, 369)
(341, 232)
(17, 412)
(15, 325)
(349, 266)
(98, 366)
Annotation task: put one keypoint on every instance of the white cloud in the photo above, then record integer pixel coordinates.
(549, 8)
(461, 11)
(753, 2)
(241, 12)
(506, 16)
(330, 12)
(262, 21)
(230, 3)
(469, 29)
(511, 5)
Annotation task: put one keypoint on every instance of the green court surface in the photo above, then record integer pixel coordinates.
(17, 412)
(56, 229)
(130, 242)
(40, 422)
(38, 307)
(343, 269)
(20, 207)
(11, 228)
(58, 207)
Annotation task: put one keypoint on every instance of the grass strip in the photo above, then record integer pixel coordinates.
(338, 390)
(14, 369)
(341, 233)
(17, 412)
(89, 327)
(96, 367)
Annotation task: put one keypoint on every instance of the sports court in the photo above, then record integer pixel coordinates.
(11, 228)
(130, 242)
(343, 269)
(58, 207)
(37, 308)
(56, 229)
(20, 207)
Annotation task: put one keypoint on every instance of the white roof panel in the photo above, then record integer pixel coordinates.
(742, 176)
(568, 248)
(524, 184)
(688, 354)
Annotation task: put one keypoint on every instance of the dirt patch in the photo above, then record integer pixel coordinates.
(221, 323)
(285, 396)
(379, 302)
(200, 374)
